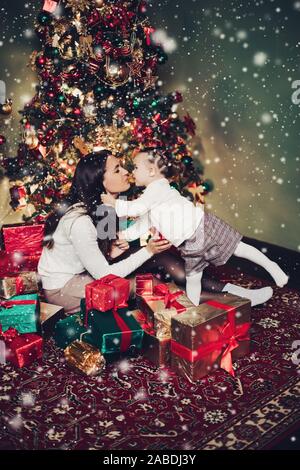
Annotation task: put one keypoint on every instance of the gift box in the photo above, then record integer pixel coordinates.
(155, 348)
(144, 284)
(14, 263)
(112, 331)
(211, 336)
(106, 293)
(21, 349)
(85, 358)
(50, 314)
(21, 312)
(24, 283)
(25, 238)
(166, 301)
(68, 330)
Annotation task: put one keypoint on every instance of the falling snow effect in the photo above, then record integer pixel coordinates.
(236, 63)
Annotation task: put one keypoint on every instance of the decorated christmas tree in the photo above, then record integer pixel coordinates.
(98, 87)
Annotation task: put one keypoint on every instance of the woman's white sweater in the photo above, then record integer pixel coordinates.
(76, 250)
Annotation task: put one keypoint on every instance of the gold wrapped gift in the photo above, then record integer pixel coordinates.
(84, 357)
(154, 307)
(23, 283)
(210, 336)
(162, 322)
(156, 346)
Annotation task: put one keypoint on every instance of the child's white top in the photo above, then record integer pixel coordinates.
(162, 207)
(76, 250)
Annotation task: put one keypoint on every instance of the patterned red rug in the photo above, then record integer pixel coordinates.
(135, 406)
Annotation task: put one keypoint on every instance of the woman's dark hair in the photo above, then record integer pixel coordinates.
(87, 187)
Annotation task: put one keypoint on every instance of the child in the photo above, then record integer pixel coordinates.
(201, 237)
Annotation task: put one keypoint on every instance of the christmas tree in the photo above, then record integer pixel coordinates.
(98, 88)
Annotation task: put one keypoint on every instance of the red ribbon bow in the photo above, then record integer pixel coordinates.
(169, 298)
(229, 335)
(13, 303)
(9, 334)
(148, 31)
(19, 285)
(144, 324)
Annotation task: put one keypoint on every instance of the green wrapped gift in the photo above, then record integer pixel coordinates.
(68, 330)
(113, 331)
(21, 312)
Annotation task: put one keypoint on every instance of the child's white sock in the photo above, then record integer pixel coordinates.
(193, 287)
(243, 250)
(256, 296)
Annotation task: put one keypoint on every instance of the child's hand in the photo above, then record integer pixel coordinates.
(108, 200)
(118, 248)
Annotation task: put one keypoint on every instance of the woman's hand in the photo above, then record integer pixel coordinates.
(157, 246)
(118, 248)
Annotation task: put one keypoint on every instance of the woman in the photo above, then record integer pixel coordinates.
(75, 252)
(72, 255)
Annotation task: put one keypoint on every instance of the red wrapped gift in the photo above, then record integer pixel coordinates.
(23, 349)
(14, 263)
(25, 238)
(109, 292)
(144, 284)
(210, 336)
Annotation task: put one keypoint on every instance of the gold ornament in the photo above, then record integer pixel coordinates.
(135, 68)
(81, 145)
(32, 60)
(115, 74)
(88, 104)
(84, 357)
(65, 46)
(85, 46)
(80, 5)
(111, 138)
(197, 192)
(6, 108)
(30, 138)
(150, 80)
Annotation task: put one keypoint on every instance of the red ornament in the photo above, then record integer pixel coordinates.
(189, 124)
(94, 18)
(148, 31)
(2, 139)
(41, 61)
(77, 111)
(177, 97)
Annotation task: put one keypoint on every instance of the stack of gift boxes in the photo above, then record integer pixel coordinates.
(165, 326)
(168, 329)
(24, 319)
(193, 341)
